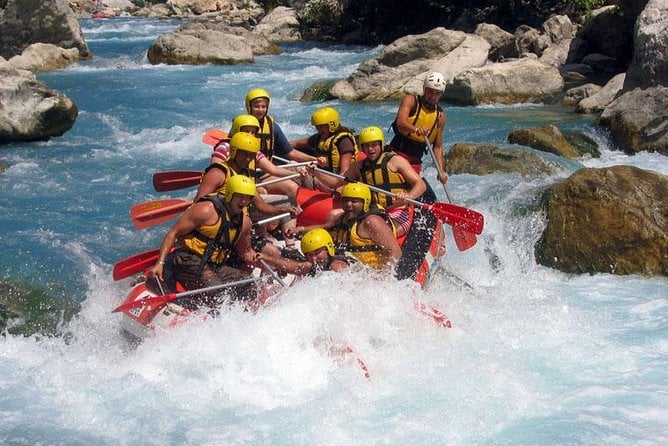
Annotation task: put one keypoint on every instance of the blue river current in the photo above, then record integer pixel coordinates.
(534, 357)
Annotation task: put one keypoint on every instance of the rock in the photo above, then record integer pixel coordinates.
(612, 220)
(513, 82)
(318, 92)
(502, 43)
(29, 110)
(609, 33)
(556, 55)
(530, 40)
(401, 66)
(575, 95)
(44, 57)
(638, 120)
(649, 66)
(48, 21)
(559, 28)
(210, 42)
(582, 143)
(546, 139)
(599, 100)
(485, 159)
(280, 25)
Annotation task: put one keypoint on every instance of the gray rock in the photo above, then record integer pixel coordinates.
(29, 110)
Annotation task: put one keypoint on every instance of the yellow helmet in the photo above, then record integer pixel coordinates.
(239, 184)
(357, 190)
(316, 239)
(244, 121)
(254, 94)
(326, 115)
(371, 134)
(245, 142)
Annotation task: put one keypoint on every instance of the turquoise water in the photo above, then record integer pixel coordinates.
(534, 356)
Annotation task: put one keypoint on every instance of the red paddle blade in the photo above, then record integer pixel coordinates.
(152, 301)
(155, 212)
(464, 239)
(176, 179)
(214, 136)
(458, 217)
(136, 264)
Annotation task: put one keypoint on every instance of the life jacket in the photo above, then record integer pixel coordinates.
(230, 172)
(363, 249)
(266, 135)
(213, 243)
(378, 174)
(330, 148)
(413, 146)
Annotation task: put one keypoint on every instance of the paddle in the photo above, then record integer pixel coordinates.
(180, 179)
(176, 179)
(464, 239)
(165, 298)
(151, 213)
(213, 137)
(456, 216)
(135, 264)
(141, 262)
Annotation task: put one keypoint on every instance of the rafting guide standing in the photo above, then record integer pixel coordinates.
(420, 117)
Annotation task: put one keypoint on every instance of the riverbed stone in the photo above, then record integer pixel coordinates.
(611, 220)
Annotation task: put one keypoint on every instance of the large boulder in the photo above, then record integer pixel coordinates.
(44, 57)
(210, 42)
(514, 82)
(280, 25)
(597, 102)
(502, 42)
(485, 159)
(650, 55)
(546, 139)
(612, 220)
(401, 66)
(24, 22)
(637, 119)
(29, 110)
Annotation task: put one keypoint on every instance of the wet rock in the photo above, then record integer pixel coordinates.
(612, 220)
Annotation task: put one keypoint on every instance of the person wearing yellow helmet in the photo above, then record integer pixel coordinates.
(364, 229)
(318, 247)
(420, 117)
(383, 169)
(334, 145)
(206, 235)
(273, 140)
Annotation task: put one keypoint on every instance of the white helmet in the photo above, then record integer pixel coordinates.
(435, 81)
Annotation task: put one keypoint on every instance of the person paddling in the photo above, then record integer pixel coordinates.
(206, 236)
(364, 229)
(420, 117)
(384, 169)
(334, 145)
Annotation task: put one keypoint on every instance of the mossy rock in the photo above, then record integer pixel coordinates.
(318, 92)
(27, 310)
(582, 143)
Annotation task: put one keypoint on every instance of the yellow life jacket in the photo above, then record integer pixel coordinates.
(213, 243)
(413, 145)
(378, 174)
(363, 249)
(330, 149)
(266, 135)
(229, 172)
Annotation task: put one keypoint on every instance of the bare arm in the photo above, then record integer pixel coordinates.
(403, 167)
(376, 228)
(211, 182)
(196, 216)
(407, 105)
